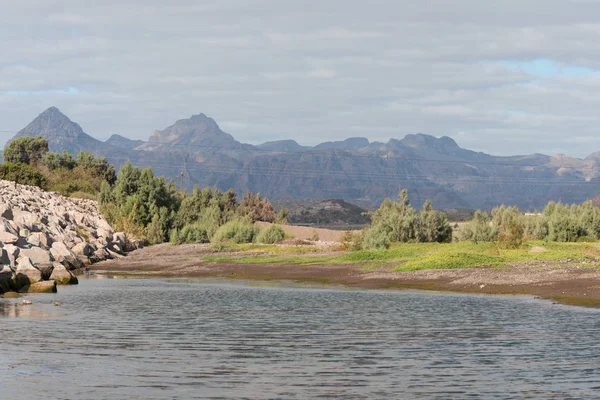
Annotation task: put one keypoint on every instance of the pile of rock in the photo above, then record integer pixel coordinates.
(46, 238)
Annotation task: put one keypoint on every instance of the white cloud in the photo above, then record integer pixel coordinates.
(311, 71)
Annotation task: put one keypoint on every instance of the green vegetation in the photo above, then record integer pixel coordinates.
(237, 231)
(416, 256)
(28, 161)
(270, 235)
(398, 222)
(557, 223)
(148, 207)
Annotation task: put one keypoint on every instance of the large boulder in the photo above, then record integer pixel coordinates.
(65, 256)
(37, 255)
(39, 287)
(39, 239)
(62, 276)
(26, 272)
(82, 249)
(100, 255)
(12, 253)
(6, 212)
(8, 279)
(8, 238)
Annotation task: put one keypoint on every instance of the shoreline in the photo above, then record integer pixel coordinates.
(568, 282)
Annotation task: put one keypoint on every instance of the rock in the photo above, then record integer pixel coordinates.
(37, 255)
(26, 273)
(46, 270)
(57, 304)
(39, 287)
(13, 253)
(4, 260)
(83, 249)
(8, 279)
(134, 245)
(6, 212)
(62, 276)
(115, 247)
(34, 240)
(100, 255)
(8, 238)
(120, 237)
(24, 232)
(11, 295)
(27, 303)
(64, 255)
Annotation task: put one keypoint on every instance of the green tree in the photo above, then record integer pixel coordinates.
(26, 150)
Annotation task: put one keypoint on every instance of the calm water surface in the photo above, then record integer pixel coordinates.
(158, 338)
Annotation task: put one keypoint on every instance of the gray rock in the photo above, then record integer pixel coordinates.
(37, 255)
(26, 272)
(83, 249)
(12, 252)
(39, 287)
(8, 279)
(6, 212)
(64, 255)
(8, 238)
(62, 276)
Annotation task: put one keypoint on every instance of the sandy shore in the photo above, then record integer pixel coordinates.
(569, 282)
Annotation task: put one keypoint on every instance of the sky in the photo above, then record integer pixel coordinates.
(505, 77)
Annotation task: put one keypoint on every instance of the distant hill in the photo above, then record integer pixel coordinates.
(330, 212)
(355, 170)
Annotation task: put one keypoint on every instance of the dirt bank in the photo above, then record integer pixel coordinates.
(567, 282)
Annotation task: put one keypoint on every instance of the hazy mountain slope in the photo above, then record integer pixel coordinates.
(354, 170)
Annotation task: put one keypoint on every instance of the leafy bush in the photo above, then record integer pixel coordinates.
(194, 233)
(376, 237)
(256, 208)
(478, 230)
(397, 222)
(272, 234)
(23, 174)
(237, 231)
(25, 150)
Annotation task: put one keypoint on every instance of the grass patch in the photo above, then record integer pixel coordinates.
(412, 256)
(450, 260)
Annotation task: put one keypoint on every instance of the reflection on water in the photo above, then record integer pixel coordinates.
(159, 338)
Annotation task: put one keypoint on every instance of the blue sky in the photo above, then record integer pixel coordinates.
(505, 77)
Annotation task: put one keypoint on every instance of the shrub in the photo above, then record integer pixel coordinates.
(272, 234)
(194, 233)
(237, 231)
(478, 230)
(376, 237)
(511, 235)
(23, 174)
(25, 150)
(155, 234)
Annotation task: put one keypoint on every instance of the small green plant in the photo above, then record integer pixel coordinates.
(237, 231)
(272, 234)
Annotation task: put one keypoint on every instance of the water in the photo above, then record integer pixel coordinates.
(158, 338)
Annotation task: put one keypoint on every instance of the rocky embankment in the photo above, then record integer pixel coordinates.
(47, 239)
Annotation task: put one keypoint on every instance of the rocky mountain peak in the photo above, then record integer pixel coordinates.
(60, 131)
(198, 131)
(421, 140)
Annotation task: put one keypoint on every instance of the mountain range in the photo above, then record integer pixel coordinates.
(354, 169)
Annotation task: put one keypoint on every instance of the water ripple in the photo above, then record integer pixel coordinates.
(155, 339)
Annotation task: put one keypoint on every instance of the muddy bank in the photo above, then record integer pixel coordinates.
(566, 282)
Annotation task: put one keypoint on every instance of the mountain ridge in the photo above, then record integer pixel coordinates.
(355, 169)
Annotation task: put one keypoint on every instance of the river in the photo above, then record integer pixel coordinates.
(163, 338)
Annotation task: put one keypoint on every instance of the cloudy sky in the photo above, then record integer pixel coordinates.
(502, 77)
